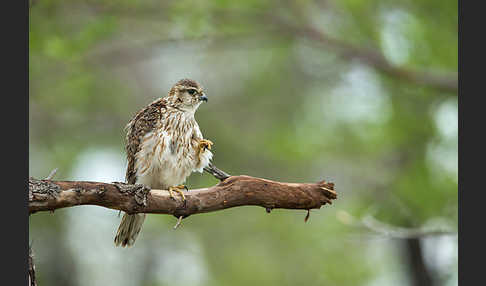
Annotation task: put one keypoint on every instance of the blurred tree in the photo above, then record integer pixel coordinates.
(363, 92)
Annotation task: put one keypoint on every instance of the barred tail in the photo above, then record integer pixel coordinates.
(128, 230)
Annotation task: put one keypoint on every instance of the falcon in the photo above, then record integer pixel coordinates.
(164, 146)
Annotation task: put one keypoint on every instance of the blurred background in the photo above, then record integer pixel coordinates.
(359, 92)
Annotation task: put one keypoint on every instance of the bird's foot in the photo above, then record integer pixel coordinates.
(205, 144)
(178, 189)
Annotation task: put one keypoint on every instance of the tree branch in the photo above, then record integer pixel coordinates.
(233, 191)
(32, 281)
(217, 173)
(401, 232)
(442, 81)
(380, 228)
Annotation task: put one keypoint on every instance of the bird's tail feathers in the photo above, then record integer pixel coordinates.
(129, 229)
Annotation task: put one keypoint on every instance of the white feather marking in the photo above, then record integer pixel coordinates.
(158, 167)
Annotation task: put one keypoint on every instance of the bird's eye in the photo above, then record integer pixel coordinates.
(191, 91)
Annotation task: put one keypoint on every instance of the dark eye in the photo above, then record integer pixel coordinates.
(191, 91)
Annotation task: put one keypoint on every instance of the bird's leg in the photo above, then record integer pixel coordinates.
(178, 189)
(204, 144)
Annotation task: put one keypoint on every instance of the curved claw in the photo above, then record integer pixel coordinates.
(205, 144)
(178, 189)
(171, 194)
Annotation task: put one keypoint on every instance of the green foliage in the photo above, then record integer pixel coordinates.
(281, 106)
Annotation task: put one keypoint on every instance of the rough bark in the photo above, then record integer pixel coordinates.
(234, 191)
(32, 281)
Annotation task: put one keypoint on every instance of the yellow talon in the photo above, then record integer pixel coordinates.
(205, 144)
(171, 193)
(177, 189)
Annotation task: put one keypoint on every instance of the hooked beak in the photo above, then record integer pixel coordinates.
(203, 98)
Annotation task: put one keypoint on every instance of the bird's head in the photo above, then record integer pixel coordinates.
(187, 95)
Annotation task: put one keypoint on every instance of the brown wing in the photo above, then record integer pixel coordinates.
(143, 122)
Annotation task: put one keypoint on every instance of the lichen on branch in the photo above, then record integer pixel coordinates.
(232, 191)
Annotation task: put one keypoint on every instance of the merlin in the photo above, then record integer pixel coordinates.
(164, 146)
